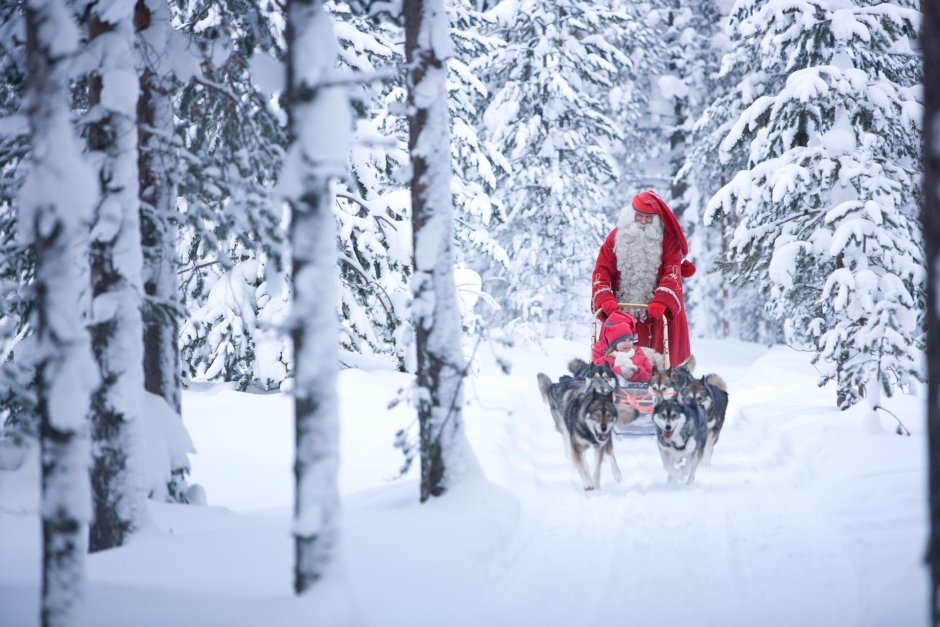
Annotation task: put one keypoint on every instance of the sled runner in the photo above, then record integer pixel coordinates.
(634, 396)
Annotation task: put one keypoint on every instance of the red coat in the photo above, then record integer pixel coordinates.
(605, 284)
(618, 325)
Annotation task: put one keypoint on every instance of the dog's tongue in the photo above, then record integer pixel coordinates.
(667, 434)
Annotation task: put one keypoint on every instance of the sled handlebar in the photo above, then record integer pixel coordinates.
(635, 306)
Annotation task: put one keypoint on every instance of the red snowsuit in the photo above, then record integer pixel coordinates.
(618, 325)
(605, 282)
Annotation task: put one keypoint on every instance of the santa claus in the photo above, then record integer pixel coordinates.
(641, 261)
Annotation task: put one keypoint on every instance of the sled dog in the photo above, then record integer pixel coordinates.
(584, 413)
(711, 393)
(681, 433)
(666, 383)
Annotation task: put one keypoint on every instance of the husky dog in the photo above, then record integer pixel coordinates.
(585, 414)
(667, 383)
(681, 434)
(603, 379)
(711, 393)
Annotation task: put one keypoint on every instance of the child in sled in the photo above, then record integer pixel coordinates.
(616, 347)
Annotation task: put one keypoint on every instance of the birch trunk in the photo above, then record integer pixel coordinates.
(436, 315)
(158, 210)
(158, 225)
(319, 138)
(930, 39)
(55, 207)
(116, 261)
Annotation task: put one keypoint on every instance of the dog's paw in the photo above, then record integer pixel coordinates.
(618, 476)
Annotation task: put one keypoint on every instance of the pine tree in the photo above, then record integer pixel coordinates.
(17, 356)
(372, 212)
(55, 210)
(551, 117)
(718, 306)
(319, 128)
(116, 265)
(476, 163)
(828, 220)
(232, 140)
(440, 371)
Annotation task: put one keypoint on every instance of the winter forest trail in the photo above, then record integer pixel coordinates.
(755, 541)
(805, 517)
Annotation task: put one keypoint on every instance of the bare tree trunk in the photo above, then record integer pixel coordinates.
(435, 311)
(318, 126)
(65, 372)
(158, 227)
(930, 40)
(116, 261)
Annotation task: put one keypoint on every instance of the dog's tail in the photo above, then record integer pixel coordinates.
(576, 364)
(544, 384)
(717, 381)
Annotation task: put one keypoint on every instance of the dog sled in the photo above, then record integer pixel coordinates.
(633, 399)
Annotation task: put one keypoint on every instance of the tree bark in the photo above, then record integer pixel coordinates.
(158, 226)
(930, 40)
(116, 262)
(314, 111)
(440, 362)
(65, 371)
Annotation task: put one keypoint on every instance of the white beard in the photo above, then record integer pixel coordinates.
(639, 251)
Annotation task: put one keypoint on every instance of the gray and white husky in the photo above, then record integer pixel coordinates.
(711, 393)
(585, 415)
(681, 433)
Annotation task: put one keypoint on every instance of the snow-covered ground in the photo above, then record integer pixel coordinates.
(806, 517)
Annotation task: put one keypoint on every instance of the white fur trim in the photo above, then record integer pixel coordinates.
(673, 294)
(639, 252)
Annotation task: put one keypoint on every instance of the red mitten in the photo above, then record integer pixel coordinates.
(609, 306)
(687, 269)
(656, 310)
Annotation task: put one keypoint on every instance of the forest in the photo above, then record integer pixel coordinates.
(262, 196)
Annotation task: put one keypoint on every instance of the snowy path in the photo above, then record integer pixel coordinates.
(804, 518)
(751, 543)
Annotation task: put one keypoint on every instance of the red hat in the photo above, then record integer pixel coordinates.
(650, 202)
(618, 325)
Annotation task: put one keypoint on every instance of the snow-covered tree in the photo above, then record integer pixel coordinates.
(440, 367)
(372, 211)
(828, 203)
(550, 116)
(476, 162)
(320, 125)
(231, 138)
(647, 93)
(157, 42)
(718, 306)
(116, 265)
(55, 204)
(17, 372)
